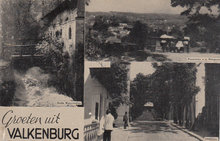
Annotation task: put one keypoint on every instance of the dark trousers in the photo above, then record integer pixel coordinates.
(125, 124)
(107, 135)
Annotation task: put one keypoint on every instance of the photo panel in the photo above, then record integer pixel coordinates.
(152, 30)
(42, 53)
(161, 101)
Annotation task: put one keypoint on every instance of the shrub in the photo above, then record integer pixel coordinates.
(7, 90)
(60, 64)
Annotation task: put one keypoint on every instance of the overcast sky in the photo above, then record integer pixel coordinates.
(140, 67)
(136, 6)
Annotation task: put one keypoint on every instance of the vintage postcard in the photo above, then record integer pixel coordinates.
(109, 70)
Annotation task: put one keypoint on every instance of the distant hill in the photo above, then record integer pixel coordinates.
(149, 15)
(148, 18)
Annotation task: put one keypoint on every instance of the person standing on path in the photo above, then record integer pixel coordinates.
(125, 120)
(108, 126)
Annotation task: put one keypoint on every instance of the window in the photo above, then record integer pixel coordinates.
(61, 32)
(70, 33)
(57, 33)
(96, 110)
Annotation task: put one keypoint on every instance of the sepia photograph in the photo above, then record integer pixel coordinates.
(151, 101)
(152, 30)
(41, 53)
(123, 70)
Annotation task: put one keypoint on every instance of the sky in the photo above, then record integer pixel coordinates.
(140, 67)
(134, 6)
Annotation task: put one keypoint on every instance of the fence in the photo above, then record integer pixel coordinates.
(91, 131)
(19, 50)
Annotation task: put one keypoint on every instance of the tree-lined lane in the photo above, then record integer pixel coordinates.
(152, 131)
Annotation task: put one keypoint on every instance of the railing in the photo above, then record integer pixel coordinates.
(91, 131)
(20, 50)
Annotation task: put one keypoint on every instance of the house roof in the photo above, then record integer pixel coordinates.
(149, 104)
(187, 38)
(63, 6)
(112, 40)
(167, 37)
(100, 75)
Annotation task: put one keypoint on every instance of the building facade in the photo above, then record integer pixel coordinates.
(65, 22)
(211, 110)
(97, 98)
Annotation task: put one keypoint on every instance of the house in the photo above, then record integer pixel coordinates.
(123, 24)
(113, 40)
(64, 22)
(212, 97)
(97, 98)
(121, 30)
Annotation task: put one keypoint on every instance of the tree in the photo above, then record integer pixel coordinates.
(7, 90)
(19, 25)
(138, 95)
(176, 32)
(93, 43)
(203, 20)
(172, 84)
(160, 89)
(59, 65)
(138, 34)
(101, 24)
(115, 80)
(96, 36)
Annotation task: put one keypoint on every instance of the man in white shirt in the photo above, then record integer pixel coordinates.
(180, 46)
(108, 126)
